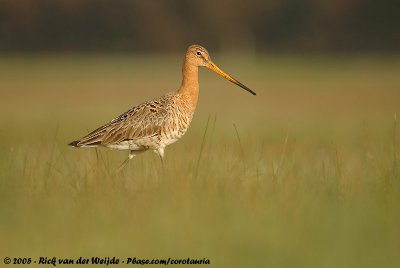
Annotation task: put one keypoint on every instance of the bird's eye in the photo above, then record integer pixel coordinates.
(198, 53)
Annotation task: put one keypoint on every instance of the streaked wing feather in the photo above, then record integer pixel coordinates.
(137, 123)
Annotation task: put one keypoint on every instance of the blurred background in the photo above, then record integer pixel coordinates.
(305, 174)
(169, 26)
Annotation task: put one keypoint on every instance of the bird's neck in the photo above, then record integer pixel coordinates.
(190, 83)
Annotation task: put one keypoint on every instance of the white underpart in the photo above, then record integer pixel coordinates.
(125, 145)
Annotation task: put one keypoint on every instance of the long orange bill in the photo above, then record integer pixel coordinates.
(215, 68)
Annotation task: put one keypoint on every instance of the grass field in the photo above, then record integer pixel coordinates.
(305, 174)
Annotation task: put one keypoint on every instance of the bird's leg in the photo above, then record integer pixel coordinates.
(160, 153)
(162, 161)
(121, 167)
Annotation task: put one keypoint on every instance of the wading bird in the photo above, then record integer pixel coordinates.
(155, 124)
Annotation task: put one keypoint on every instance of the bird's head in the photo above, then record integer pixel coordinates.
(199, 56)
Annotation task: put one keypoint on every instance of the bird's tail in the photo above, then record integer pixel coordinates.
(74, 143)
(79, 143)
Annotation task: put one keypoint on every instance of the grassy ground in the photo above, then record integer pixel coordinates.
(305, 174)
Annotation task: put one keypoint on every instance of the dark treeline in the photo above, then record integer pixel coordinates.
(170, 25)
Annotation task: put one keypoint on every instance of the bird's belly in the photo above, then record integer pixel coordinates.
(176, 128)
(173, 136)
(125, 145)
(170, 140)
